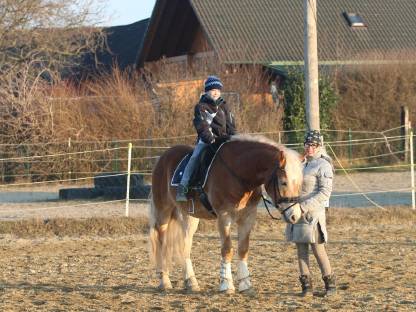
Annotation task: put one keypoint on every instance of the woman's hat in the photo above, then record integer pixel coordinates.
(313, 137)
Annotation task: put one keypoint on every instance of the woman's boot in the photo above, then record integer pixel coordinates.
(306, 283)
(330, 286)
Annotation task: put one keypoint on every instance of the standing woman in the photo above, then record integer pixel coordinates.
(311, 230)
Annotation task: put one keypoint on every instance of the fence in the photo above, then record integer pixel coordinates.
(77, 162)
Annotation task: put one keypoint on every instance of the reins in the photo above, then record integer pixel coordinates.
(238, 178)
(293, 200)
(266, 201)
(276, 203)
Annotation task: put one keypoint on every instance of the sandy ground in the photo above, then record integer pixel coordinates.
(375, 266)
(374, 263)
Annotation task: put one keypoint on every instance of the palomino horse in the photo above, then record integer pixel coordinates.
(233, 187)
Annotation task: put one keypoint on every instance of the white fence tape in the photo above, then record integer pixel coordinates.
(380, 139)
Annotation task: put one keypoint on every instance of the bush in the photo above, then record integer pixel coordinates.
(294, 91)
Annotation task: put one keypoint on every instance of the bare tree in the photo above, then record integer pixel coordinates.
(40, 41)
(47, 35)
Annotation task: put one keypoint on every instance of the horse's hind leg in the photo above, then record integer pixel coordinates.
(245, 224)
(163, 228)
(190, 282)
(158, 241)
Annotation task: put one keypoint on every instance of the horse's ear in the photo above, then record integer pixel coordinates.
(282, 159)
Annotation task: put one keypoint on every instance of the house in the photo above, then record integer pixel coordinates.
(120, 49)
(270, 32)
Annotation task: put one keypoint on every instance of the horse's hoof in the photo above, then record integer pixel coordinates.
(227, 286)
(251, 292)
(228, 291)
(244, 285)
(164, 287)
(191, 285)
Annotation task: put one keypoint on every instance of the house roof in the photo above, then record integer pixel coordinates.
(172, 28)
(124, 42)
(121, 48)
(271, 31)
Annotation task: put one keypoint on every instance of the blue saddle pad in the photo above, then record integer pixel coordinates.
(177, 175)
(199, 177)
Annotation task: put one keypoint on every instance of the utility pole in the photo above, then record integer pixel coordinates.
(311, 65)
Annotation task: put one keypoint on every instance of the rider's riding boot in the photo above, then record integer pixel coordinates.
(330, 285)
(306, 283)
(181, 193)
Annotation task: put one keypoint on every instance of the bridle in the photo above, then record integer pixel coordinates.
(276, 190)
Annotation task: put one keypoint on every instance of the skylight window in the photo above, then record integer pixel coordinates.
(354, 20)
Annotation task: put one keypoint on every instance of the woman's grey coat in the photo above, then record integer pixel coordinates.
(316, 189)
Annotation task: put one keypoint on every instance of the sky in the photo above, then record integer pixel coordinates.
(123, 12)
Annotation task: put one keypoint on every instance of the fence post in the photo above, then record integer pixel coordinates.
(412, 169)
(404, 121)
(350, 145)
(69, 159)
(26, 164)
(128, 179)
(116, 167)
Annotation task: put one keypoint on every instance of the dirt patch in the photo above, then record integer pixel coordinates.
(372, 257)
(85, 256)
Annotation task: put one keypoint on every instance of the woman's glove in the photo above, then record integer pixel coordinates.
(308, 217)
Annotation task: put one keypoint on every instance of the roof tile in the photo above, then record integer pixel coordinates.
(272, 30)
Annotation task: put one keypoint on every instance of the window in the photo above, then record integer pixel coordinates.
(354, 20)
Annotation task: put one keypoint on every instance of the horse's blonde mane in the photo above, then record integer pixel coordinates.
(255, 138)
(293, 166)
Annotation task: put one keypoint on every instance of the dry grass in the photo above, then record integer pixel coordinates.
(120, 226)
(371, 96)
(120, 106)
(74, 227)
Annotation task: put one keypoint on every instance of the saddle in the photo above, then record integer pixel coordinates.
(201, 173)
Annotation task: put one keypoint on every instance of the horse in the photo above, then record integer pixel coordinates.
(234, 187)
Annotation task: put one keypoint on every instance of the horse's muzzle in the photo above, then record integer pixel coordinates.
(292, 214)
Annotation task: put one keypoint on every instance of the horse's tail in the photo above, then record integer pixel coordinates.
(166, 239)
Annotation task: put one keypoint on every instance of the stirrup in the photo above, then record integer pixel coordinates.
(181, 193)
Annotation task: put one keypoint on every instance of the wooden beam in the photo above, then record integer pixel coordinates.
(186, 41)
(181, 27)
(164, 30)
(150, 35)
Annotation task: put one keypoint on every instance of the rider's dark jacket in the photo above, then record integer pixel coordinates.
(213, 119)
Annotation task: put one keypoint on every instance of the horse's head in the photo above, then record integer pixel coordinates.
(284, 184)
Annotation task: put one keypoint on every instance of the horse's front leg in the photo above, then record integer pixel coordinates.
(226, 278)
(245, 224)
(190, 281)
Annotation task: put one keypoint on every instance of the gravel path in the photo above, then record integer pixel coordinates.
(386, 189)
(43, 202)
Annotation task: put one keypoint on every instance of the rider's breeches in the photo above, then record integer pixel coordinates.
(320, 255)
(193, 161)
